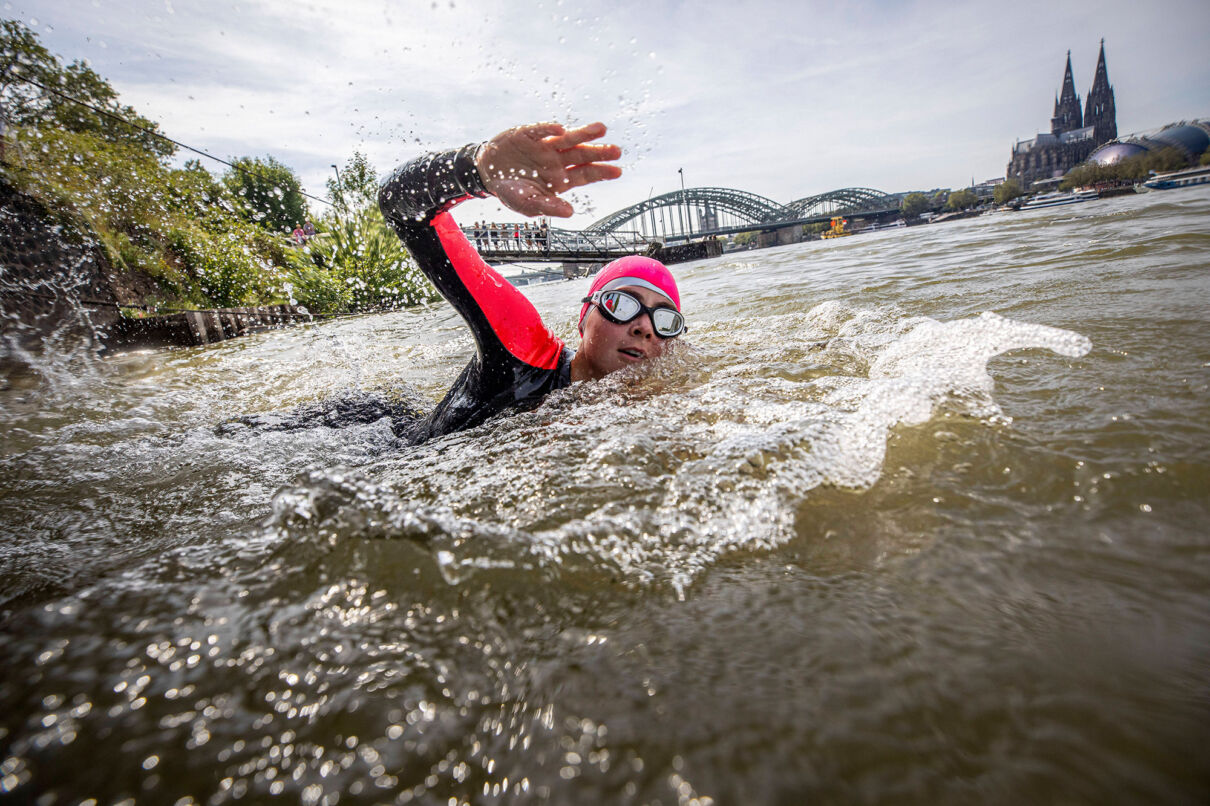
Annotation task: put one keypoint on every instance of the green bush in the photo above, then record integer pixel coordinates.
(357, 264)
(26, 67)
(178, 226)
(225, 269)
(207, 241)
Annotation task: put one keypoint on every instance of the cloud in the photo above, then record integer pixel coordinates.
(785, 99)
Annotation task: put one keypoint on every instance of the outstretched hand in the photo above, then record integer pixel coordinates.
(527, 167)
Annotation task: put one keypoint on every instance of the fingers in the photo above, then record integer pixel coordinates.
(587, 174)
(582, 155)
(519, 158)
(553, 205)
(537, 131)
(574, 137)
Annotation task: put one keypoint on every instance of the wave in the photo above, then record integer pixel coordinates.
(654, 475)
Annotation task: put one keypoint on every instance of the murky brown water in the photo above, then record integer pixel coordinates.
(860, 544)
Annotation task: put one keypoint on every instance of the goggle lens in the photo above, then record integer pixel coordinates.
(621, 305)
(667, 322)
(621, 308)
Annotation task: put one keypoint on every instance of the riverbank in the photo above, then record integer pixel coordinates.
(59, 285)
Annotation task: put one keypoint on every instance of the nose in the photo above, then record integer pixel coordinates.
(641, 327)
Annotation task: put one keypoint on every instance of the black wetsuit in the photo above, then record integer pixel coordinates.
(517, 360)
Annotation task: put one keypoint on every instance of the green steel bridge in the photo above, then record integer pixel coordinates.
(680, 216)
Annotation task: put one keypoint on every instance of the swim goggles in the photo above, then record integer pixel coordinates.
(619, 307)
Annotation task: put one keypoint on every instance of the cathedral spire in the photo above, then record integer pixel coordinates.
(1067, 108)
(1099, 111)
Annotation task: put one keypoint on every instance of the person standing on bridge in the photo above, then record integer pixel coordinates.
(630, 314)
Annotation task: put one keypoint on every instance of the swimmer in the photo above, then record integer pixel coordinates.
(629, 315)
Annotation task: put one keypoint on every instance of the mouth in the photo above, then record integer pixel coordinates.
(632, 353)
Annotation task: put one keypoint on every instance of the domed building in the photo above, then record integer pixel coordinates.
(1192, 138)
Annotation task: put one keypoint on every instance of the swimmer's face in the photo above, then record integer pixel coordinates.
(606, 347)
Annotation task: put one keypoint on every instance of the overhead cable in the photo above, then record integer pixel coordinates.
(153, 132)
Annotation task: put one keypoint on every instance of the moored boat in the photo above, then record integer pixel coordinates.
(1179, 179)
(1059, 198)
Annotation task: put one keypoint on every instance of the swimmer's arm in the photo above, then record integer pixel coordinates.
(416, 201)
(526, 168)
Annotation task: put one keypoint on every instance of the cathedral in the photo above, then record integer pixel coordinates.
(1073, 136)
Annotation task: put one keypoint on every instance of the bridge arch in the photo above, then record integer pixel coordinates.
(751, 207)
(841, 202)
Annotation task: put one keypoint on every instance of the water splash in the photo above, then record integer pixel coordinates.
(653, 475)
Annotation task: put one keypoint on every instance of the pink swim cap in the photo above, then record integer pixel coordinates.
(636, 270)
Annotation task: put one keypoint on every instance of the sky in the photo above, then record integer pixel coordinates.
(782, 99)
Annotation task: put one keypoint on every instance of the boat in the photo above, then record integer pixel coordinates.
(1179, 179)
(896, 224)
(839, 228)
(1059, 198)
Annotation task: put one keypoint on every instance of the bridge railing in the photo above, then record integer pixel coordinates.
(604, 243)
(513, 239)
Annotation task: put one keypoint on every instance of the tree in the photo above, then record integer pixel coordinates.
(357, 188)
(914, 204)
(963, 199)
(1128, 171)
(23, 57)
(1006, 191)
(1168, 159)
(267, 193)
(36, 90)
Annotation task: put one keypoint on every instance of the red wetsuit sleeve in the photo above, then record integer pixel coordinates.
(416, 200)
(511, 317)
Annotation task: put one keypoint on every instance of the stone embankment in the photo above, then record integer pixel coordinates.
(53, 274)
(57, 283)
(195, 328)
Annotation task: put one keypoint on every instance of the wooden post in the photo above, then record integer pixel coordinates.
(197, 327)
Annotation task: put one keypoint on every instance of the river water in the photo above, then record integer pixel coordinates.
(918, 516)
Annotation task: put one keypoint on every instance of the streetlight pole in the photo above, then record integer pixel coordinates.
(339, 195)
(681, 209)
(651, 214)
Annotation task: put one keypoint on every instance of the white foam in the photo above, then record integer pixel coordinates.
(657, 474)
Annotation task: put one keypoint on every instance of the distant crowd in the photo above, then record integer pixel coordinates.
(302, 234)
(510, 237)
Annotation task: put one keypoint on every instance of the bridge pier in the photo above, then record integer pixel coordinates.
(779, 237)
(697, 250)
